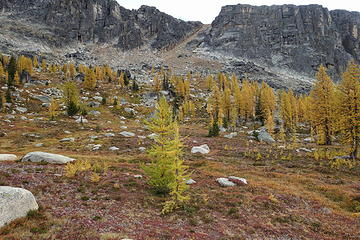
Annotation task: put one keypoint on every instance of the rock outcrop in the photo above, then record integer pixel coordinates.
(66, 22)
(15, 203)
(298, 38)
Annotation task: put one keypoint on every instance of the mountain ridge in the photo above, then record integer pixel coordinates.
(281, 44)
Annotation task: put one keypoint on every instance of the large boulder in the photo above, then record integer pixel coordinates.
(15, 203)
(46, 157)
(203, 149)
(8, 157)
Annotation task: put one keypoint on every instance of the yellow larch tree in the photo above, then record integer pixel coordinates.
(247, 100)
(348, 103)
(16, 79)
(289, 111)
(53, 108)
(209, 81)
(121, 81)
(267, 101)
(72, 70)
(35, 62)
(323, 106)
(157, 83)
(90, 79)
(43, 65)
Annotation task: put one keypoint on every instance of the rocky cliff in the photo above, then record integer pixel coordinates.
(283, 45)
(291, 37)
(98, 21)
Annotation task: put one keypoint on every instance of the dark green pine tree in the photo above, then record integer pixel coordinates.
(126, 79)
(8, 96)
(11, 70)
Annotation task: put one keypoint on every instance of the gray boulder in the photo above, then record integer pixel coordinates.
(264, 136)
(42, 98)
(224, 182)
(46, 157)
(94, 113)
(94, 104)
(15, 203)
(203, 149)
(21, 109)
(127, 134)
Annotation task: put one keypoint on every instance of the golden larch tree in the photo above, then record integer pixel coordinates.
(323, 106)
(348, 116)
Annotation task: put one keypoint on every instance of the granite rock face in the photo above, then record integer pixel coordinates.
(299, 38)
(99, 21)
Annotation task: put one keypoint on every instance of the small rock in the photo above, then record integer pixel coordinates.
(308, 139)
(81, 120)
(130, 110)
(231, 135)
(109, 135)
(127, 134)
(94, 113)
(8, 157)
(39, 145)
(114, 148)
(138, 176)
(94, 104)
(152, 136)
(96, 147)
(21, 109)
(224, 182)
(222, 129)
(98, 98)
(203, 149)
(67, 140)
(190, 181)
(142, 149)
(303, 150)
(237, 180)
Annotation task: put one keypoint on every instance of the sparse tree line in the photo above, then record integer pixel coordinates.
(331, 111)
(12, 68)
